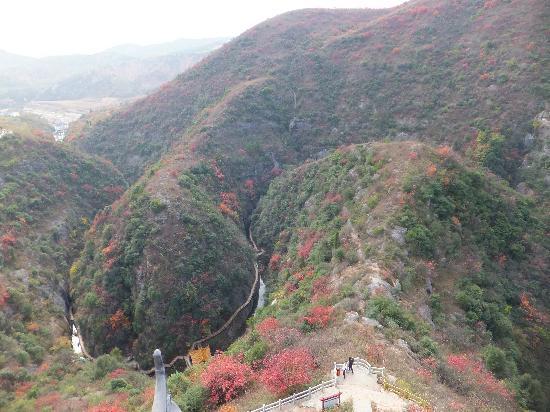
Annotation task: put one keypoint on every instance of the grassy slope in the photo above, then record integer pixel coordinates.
(460, 224)
(48, 196)
(436, 70)
(293, 86)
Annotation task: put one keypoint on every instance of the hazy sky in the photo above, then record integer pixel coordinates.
(50, 27)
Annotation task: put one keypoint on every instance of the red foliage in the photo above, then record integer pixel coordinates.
(249, 187)
(229, 204)
(276, 171)
(287, 370)
(274, 261)
(531, 313)
(107, 407)
(309, 242)
(218, 171)
(117, 373)
(225, 378)
(118, 320)
(413, 156)
(8, 240)
(23, 388)
(321, 288)
(478, 375)
(319, 316)
(266, 327)
(375, 353)
(87, 187)
(431, 170)
(443, 151)
(489, 4)
(424, 374)
(485, 76)
(51, 399)
(290, 287)
(333, 198)
(114, 190)
(110, 248)
(4, 295)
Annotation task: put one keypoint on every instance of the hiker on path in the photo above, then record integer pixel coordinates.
(350, 364)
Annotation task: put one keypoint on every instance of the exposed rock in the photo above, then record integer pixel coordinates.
(425, 313)
(370, 322)
(391, 379)
(524, 189)
(378, 286)
(398, 234)
(528, 140)
(429, 287)
(402, 344)
(351, 317)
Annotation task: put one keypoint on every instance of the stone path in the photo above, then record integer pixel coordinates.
(360, 387)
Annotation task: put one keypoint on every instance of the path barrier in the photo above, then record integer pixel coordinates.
(404, 393)
(296, 396)
(323, 385)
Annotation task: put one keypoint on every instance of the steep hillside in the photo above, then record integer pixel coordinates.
(440, 71)
(48, 196)
(445, 257)
(367, 229)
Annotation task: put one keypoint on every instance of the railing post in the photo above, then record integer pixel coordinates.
(279, 404)
(263, 407)
(293, 398)
(309, 392)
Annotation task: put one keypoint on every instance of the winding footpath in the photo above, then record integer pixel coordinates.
(247, 302)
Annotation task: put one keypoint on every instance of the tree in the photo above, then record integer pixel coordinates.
(225, 378)
(287, 370)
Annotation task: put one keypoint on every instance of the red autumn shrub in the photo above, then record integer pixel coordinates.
(51, 399)
(110, 248)
(106, 407)
(249, 186)
(305, 249)
(117, 373)
(118, 320)
(274, 261)
(333, 198)
(230, 204)
(218, 171)
(225, 378)
(8, 240)
(474, 371)
(287, 370)
(267, 326)
(319, 316)
(321, 288)
(431, 170)
(4, 295)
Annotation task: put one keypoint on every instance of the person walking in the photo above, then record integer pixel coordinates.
(350, 364)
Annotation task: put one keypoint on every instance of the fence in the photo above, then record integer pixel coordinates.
(297, 396)
(326, 384)
(404, 393)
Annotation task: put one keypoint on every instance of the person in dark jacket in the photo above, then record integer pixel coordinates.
(350, 364)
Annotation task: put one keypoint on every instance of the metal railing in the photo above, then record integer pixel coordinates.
(296, 396)
(326, 384)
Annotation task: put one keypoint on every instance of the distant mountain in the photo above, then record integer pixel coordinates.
(8, 60)
(162, 49)
(122, 71)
